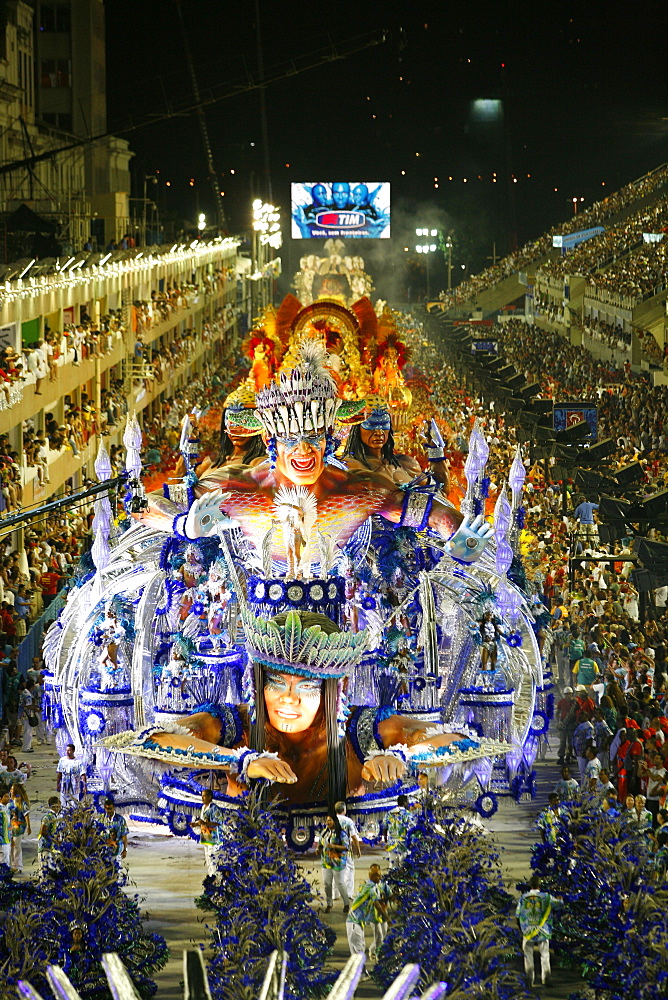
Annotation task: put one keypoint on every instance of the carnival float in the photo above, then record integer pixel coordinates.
(309, 608)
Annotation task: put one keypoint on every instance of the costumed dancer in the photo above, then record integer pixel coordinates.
(113, 633)
(333, 849)
(368, 907)
(19, 813)
(116, 830)
(5, 828)
(534, 912)
(70, 777)
(47, 833)
(355, 844)
(399, 822)
(488, 633)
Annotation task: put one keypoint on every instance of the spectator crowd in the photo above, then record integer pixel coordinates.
(600, 213)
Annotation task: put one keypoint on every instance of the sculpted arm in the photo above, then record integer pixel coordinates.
(466, 537)
(197, 735)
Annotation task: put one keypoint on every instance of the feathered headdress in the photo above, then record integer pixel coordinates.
(392, 341)
(309, 652)
(302, 401)
(256, 338)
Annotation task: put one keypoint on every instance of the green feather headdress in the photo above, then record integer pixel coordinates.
(309, 651)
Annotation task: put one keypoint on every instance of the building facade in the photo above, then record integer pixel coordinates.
(132, 288)
(53, 92)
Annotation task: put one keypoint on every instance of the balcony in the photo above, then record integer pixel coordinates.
(64, 465)
(71, 377)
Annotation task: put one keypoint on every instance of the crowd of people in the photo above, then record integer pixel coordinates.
(598, 214)
(42, 359)
(610, 662)
(635, 277)
(154, 364)
(163, 304)
(631, 410)
(609, 246)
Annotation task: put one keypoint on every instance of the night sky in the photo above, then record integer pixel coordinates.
(584, 90)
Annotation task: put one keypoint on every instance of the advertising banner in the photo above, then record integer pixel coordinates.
(341, 209)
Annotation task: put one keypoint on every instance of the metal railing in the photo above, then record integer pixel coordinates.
(32, 644)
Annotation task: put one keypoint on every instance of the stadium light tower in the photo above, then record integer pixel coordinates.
(426, 248)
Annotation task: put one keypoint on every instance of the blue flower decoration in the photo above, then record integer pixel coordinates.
(486, 804)
(539, 723)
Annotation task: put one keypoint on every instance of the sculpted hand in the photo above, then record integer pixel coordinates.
(470, 538)
(154, 518)
(205, 516)
(385, 768)
(271, 769)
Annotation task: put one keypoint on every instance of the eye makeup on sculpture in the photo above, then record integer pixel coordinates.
(299, 687)
(314, 440)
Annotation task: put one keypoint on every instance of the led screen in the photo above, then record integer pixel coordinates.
(567, 414)
(341, 209)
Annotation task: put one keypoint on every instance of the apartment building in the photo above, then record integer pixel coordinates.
(53, 91)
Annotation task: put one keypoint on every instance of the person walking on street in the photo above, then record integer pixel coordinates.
(5, 829)
(567, 708)
(348, 826)
(534, 912)
(399, 822)
(333, 848)
(116, 829)
(19, 820)
(210, 825)
(27, 716)
(584, 735)
(71, 777)
(549, 820)
(47, 833)
(567, 788)
(368, 907)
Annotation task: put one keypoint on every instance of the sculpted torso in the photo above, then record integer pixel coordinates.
(345, 500)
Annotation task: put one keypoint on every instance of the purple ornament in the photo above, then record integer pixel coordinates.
(517, 476)
(504, 556)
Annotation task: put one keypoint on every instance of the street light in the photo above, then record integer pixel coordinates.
(154, 179)
(201, 222)
(266, 233)
(448, 247)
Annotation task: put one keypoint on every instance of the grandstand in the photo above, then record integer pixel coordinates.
(642, 202)
(607, 295)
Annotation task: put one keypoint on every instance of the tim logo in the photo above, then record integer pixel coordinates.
(341, 220)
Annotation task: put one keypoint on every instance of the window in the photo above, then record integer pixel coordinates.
(59, 119)
(53, 18)
(54, 73)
